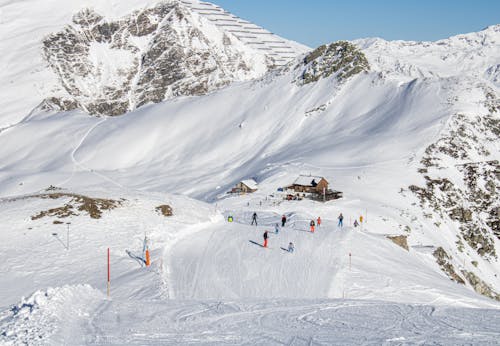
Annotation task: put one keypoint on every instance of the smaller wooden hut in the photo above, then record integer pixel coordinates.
(245, 186)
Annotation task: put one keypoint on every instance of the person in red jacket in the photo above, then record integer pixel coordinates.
(312, 226)
(265, 238)
(318, 221)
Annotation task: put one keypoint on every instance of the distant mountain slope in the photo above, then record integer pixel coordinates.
(474, 54)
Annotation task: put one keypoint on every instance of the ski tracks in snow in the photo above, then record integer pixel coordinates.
(77, 164)
(219, 262)
(288, 322)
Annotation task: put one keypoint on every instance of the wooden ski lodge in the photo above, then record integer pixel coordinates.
(312, 187)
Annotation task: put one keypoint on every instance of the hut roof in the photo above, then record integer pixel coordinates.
(305, 180)
(250, 183)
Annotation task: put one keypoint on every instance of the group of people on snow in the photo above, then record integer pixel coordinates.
(312, 224)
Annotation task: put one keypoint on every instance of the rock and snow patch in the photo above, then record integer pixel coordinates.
(109, 67)
(342, 59)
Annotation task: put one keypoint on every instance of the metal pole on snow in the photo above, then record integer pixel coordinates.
(109, 283)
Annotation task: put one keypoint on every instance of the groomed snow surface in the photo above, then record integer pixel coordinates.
(212, 283)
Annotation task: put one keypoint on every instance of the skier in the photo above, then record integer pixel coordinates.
(254, 218)
(318, 222)
(312, 226)
(276, 228)
(356, 224)
(341, 220)
(283, 220)
(265, 238)
(291, 247)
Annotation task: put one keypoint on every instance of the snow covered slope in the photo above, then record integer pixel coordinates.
(409, 132)
(107, 59)
(473, 54)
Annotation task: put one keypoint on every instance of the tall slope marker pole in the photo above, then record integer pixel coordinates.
(109, 284)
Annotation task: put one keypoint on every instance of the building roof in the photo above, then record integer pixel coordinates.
(305, 180)
(252, 184)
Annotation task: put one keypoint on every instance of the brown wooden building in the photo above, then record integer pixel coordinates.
(245, 186)
(309, 184)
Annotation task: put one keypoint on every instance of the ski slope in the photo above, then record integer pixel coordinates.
(227, 260)
(210, 281)
(208, 284)
(265, 322)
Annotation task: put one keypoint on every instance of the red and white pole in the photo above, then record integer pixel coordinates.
(109, 281)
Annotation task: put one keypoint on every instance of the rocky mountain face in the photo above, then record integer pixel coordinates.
(340, 58)
(109, 67)
(459, 195)
(462, 187)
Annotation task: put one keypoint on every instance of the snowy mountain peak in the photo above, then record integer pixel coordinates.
(472, 54)
(174, 48)
(340, 58)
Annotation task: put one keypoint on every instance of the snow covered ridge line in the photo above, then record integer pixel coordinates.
(172, 49)
(473, 54)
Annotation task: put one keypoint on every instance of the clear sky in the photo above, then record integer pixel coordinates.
(314, 22)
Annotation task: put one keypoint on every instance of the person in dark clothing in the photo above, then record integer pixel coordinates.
(341, 220)
(283, 220)
(265, 238)
(254, 218)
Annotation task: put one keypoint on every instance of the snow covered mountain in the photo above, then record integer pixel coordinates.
(408, 131)
(108, 66)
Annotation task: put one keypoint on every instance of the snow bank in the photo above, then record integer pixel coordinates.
(43, 317)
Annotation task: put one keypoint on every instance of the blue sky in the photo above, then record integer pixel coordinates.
(314, 22)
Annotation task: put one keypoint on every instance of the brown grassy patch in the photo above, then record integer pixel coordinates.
(165, 210)
(94, 207)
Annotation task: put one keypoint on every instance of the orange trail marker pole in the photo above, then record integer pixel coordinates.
(109, 283)
(148, 259)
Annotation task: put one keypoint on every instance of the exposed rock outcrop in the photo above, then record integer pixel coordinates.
(444, 261)
(480, 286)
(340, 58)
(462, 185)
(109, 67)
